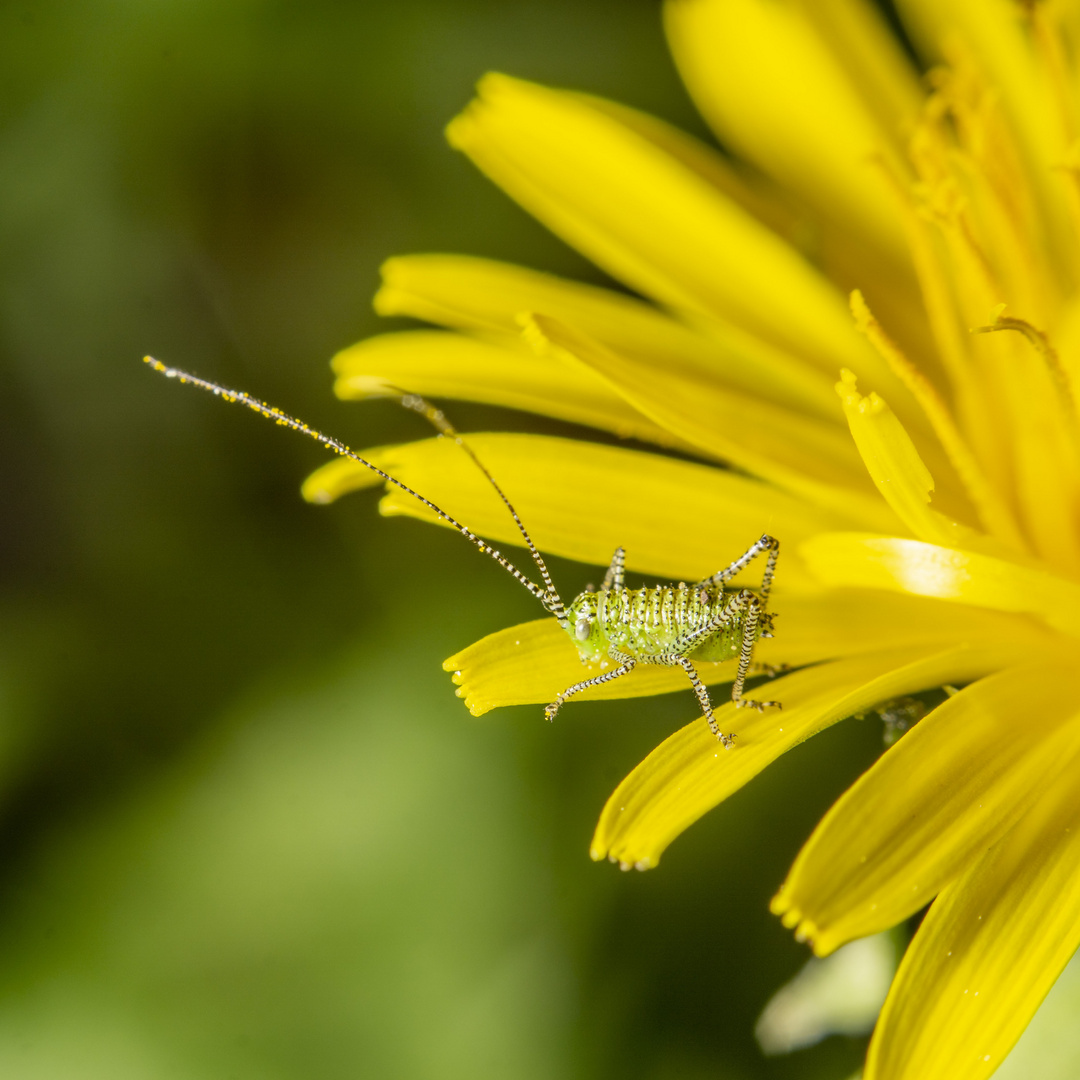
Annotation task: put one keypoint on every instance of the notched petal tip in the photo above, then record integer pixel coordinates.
(806, 931)
(791, 918)
(848, 389)
(461, 130)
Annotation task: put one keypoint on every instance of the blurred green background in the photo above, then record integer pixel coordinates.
(246, 829)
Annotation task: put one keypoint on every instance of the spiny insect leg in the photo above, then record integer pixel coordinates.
(703, 700)
(613, 579)
(597, 680)
(686, 643)
(754, 609)
(750, 606)
(766, 543)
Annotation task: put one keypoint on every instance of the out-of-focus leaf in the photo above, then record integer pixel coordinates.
(340, 885)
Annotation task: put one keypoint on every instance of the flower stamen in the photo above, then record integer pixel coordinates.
(993, 513)
(1040, 342)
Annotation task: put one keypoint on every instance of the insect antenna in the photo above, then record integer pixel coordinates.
(548, 595)
(438, 420)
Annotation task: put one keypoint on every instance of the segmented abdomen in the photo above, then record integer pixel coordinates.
(651, 621)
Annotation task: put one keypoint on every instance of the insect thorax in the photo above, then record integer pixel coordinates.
(655, 620)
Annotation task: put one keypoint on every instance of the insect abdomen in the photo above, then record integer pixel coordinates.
(654, 621)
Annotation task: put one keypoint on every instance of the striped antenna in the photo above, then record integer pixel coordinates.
(548, 595)
(438, 420)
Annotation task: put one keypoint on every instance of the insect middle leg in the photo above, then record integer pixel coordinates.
(627, 665)
(703, 699)
(679, 660)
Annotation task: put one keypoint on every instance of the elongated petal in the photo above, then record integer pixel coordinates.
(882, 562)
(773, 205)
(437, 364)
(841, 253)
(815, 131)
(533, 662)
(988, 951)
(690, 773)
(993, 31)
(487, 296)
(652, 222)
(992, 509)
(895, 466)
(803, 456)
(939, 797)
(582, 500)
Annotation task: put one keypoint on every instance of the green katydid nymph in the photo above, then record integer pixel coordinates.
(669, 625)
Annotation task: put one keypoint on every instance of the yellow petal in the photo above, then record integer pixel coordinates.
(438, 364)
(653, 223)
(884, 562)
(895, 466)
(582, 500)
(690, 773)
(770, 203)
(993, 30)
(767, 81)
(987, 952)
(1043, 441)
(486, 296)
(994, 513)
(936, 800)
(533, 662)
(839, 252)
(803, 456)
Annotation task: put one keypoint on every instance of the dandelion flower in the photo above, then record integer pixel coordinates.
(804, 330)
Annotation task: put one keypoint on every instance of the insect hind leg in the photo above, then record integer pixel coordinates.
(766, 543)
(597, 680)
(754, 609)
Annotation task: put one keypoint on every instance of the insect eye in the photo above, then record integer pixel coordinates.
(582, 629)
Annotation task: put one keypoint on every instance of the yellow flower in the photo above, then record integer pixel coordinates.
(924, 480)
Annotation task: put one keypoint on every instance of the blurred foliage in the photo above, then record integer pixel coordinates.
(246, 829)
(1050, 1048)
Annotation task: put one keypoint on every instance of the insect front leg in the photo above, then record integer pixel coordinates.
(766, 543)
(613, 579)
(626, 666)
